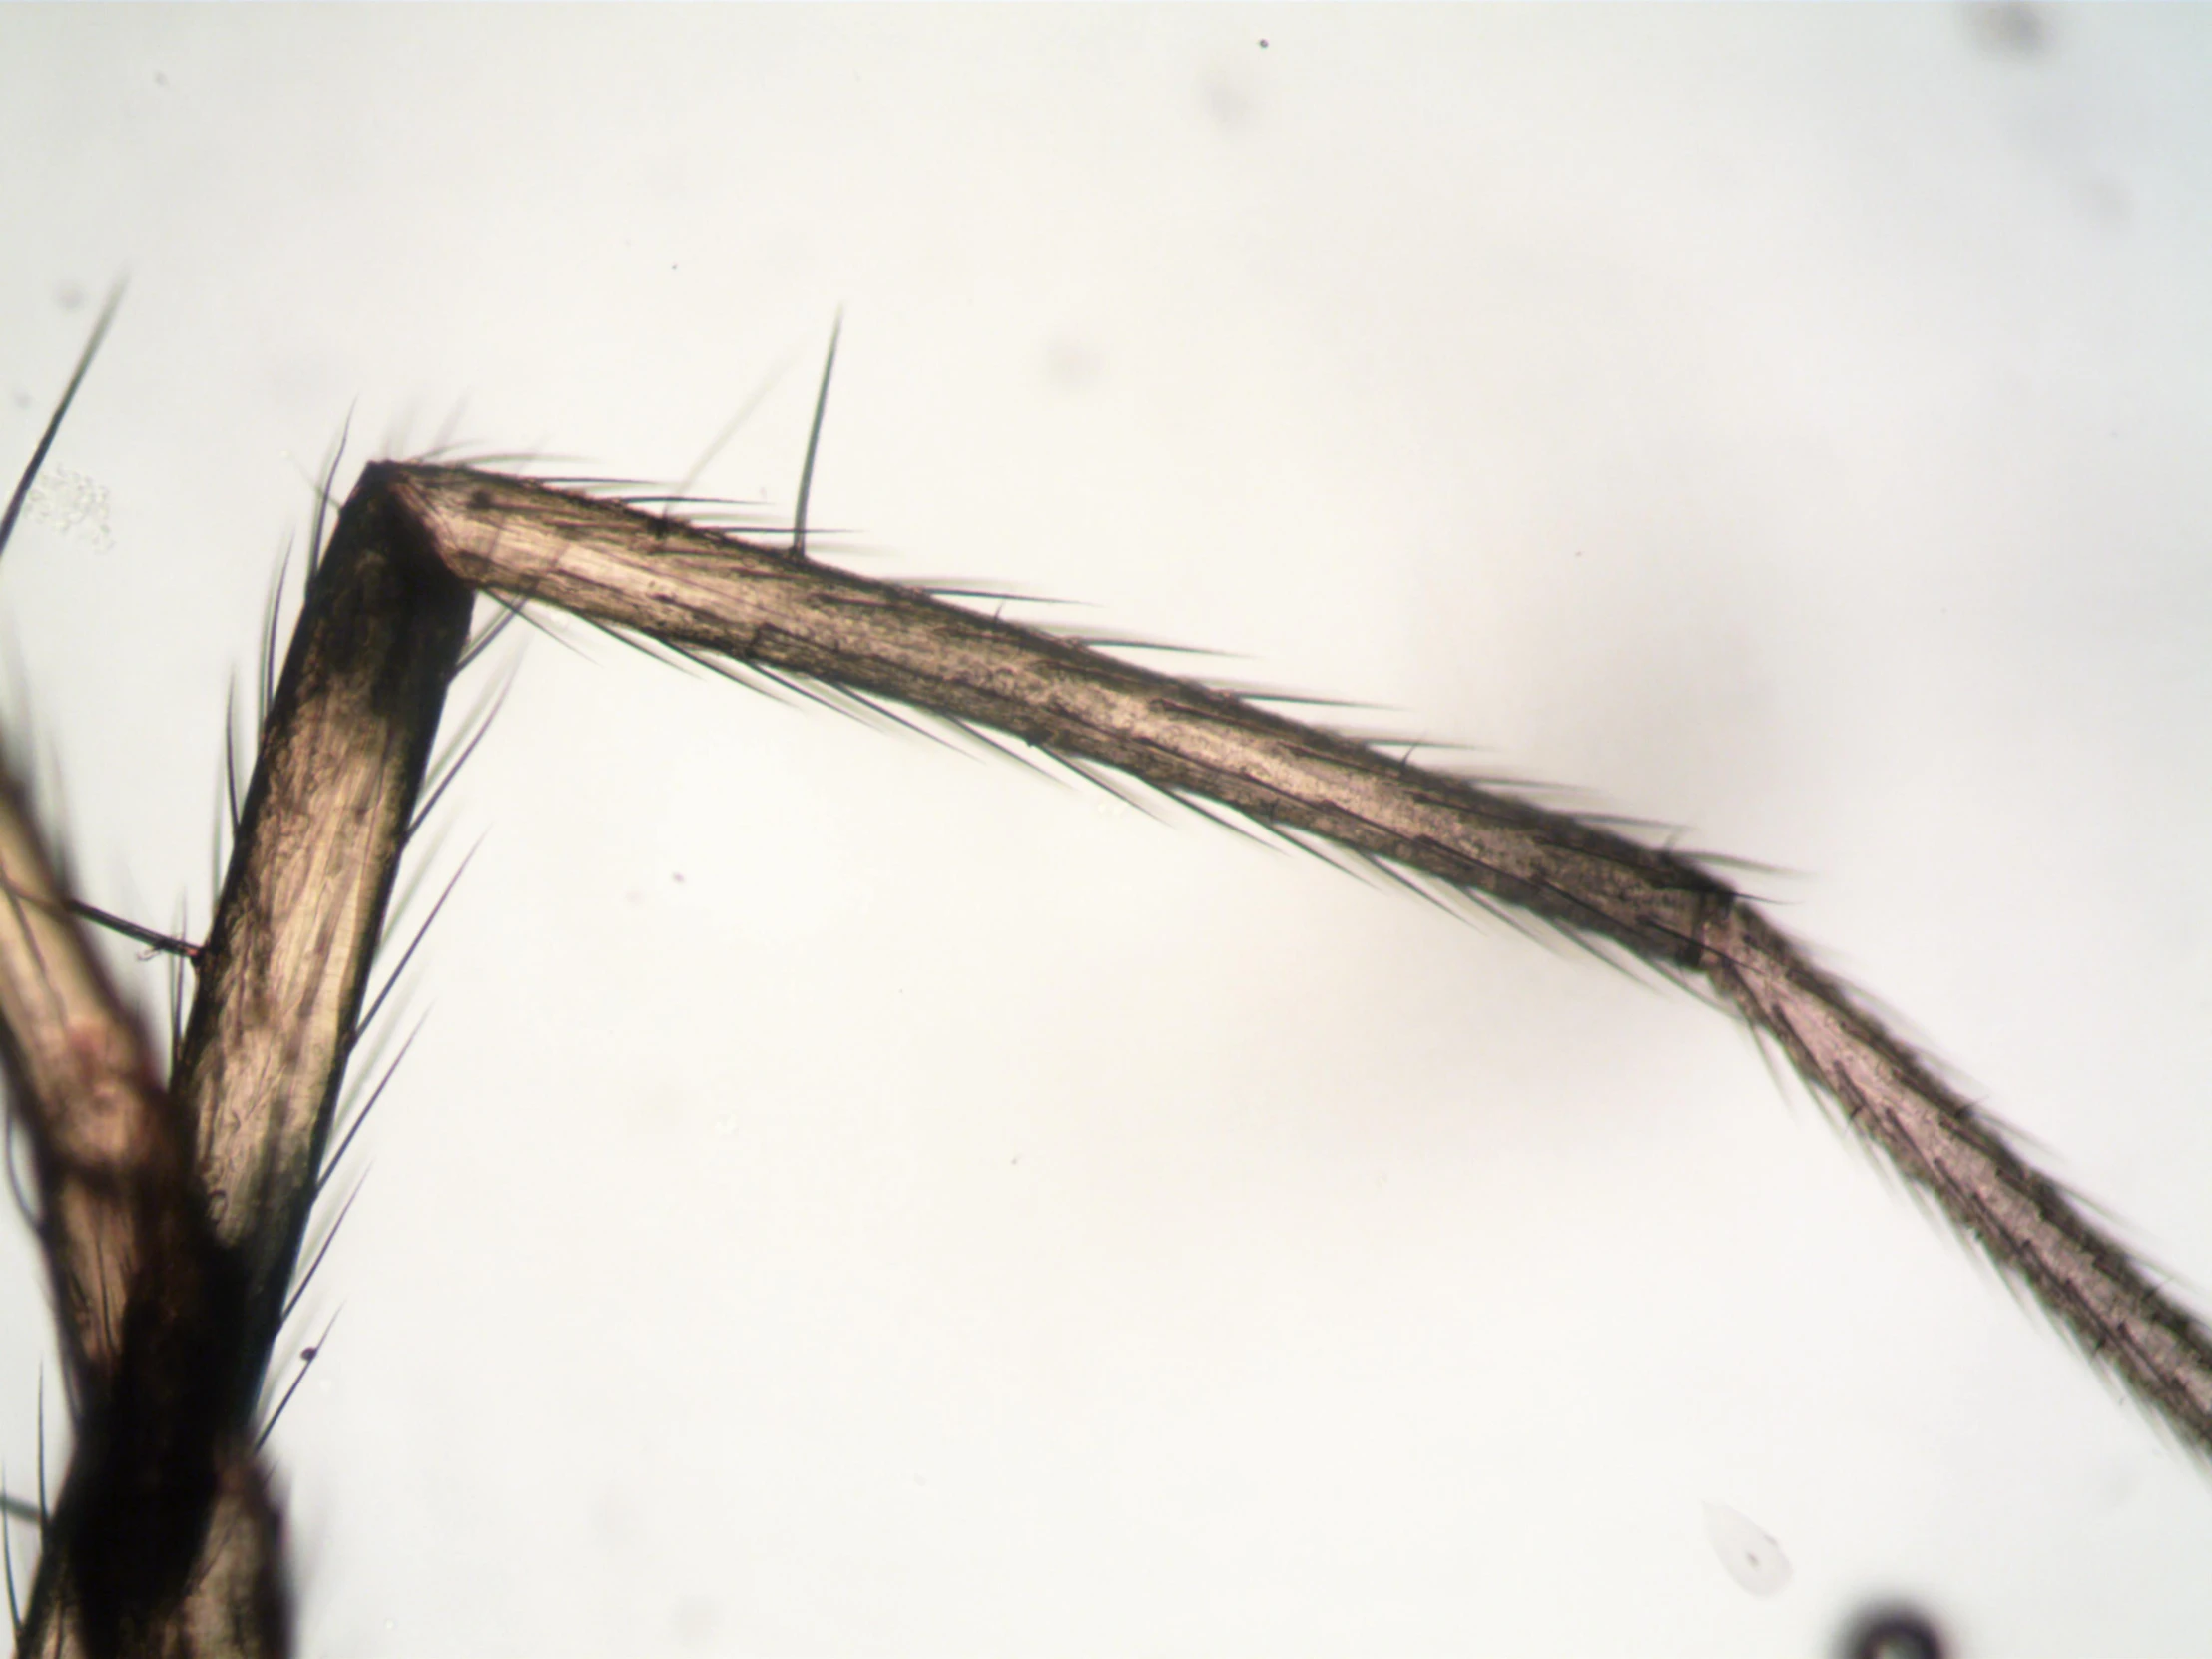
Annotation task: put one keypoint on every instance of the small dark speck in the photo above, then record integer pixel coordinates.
(309, 1352)
(479, 500)
(1263, 45)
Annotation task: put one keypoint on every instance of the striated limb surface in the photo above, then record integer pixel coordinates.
(698, 591)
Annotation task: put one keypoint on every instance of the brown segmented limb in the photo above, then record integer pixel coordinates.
(109, 1149)
(193, 1204)
(285, 963)
(163, 1525)
(341, 763)
(690, 588)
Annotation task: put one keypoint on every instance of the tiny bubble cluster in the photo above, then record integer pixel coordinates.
(73, 504)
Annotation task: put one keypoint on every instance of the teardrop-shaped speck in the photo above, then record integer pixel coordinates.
(1752, 1558)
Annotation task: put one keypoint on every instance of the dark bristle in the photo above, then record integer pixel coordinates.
(1410, 881)
(834, 697)
(842, 700)
(1113, 782)
(961, 590)
(269, 616)
(361, 1115)
(747, 518)
(311, 1353)
(645, 645)
(1131, 642)
(23, 484)
(411, 874)
(9, 1511)
(175, 966)
(485, 637)
(814, 443)
(153, 941)
(887, 710)
(1229, 819)
(721, 667)
(326, 495)
(215, 851)
(1004, 747)
(795, 687)
(444, 439)
(45, 1511)
(640, 499)
(523, 610)
(23, 1205)
(330, 1238)
(706, 661)
(1342, 859)
(413, 945)
(593, 486)
(1262, 694)
(447, 767)
(516, 461)
(231, 753)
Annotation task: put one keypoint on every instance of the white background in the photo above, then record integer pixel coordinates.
(850, 1197)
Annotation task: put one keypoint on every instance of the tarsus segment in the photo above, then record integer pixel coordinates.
(701, 591)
